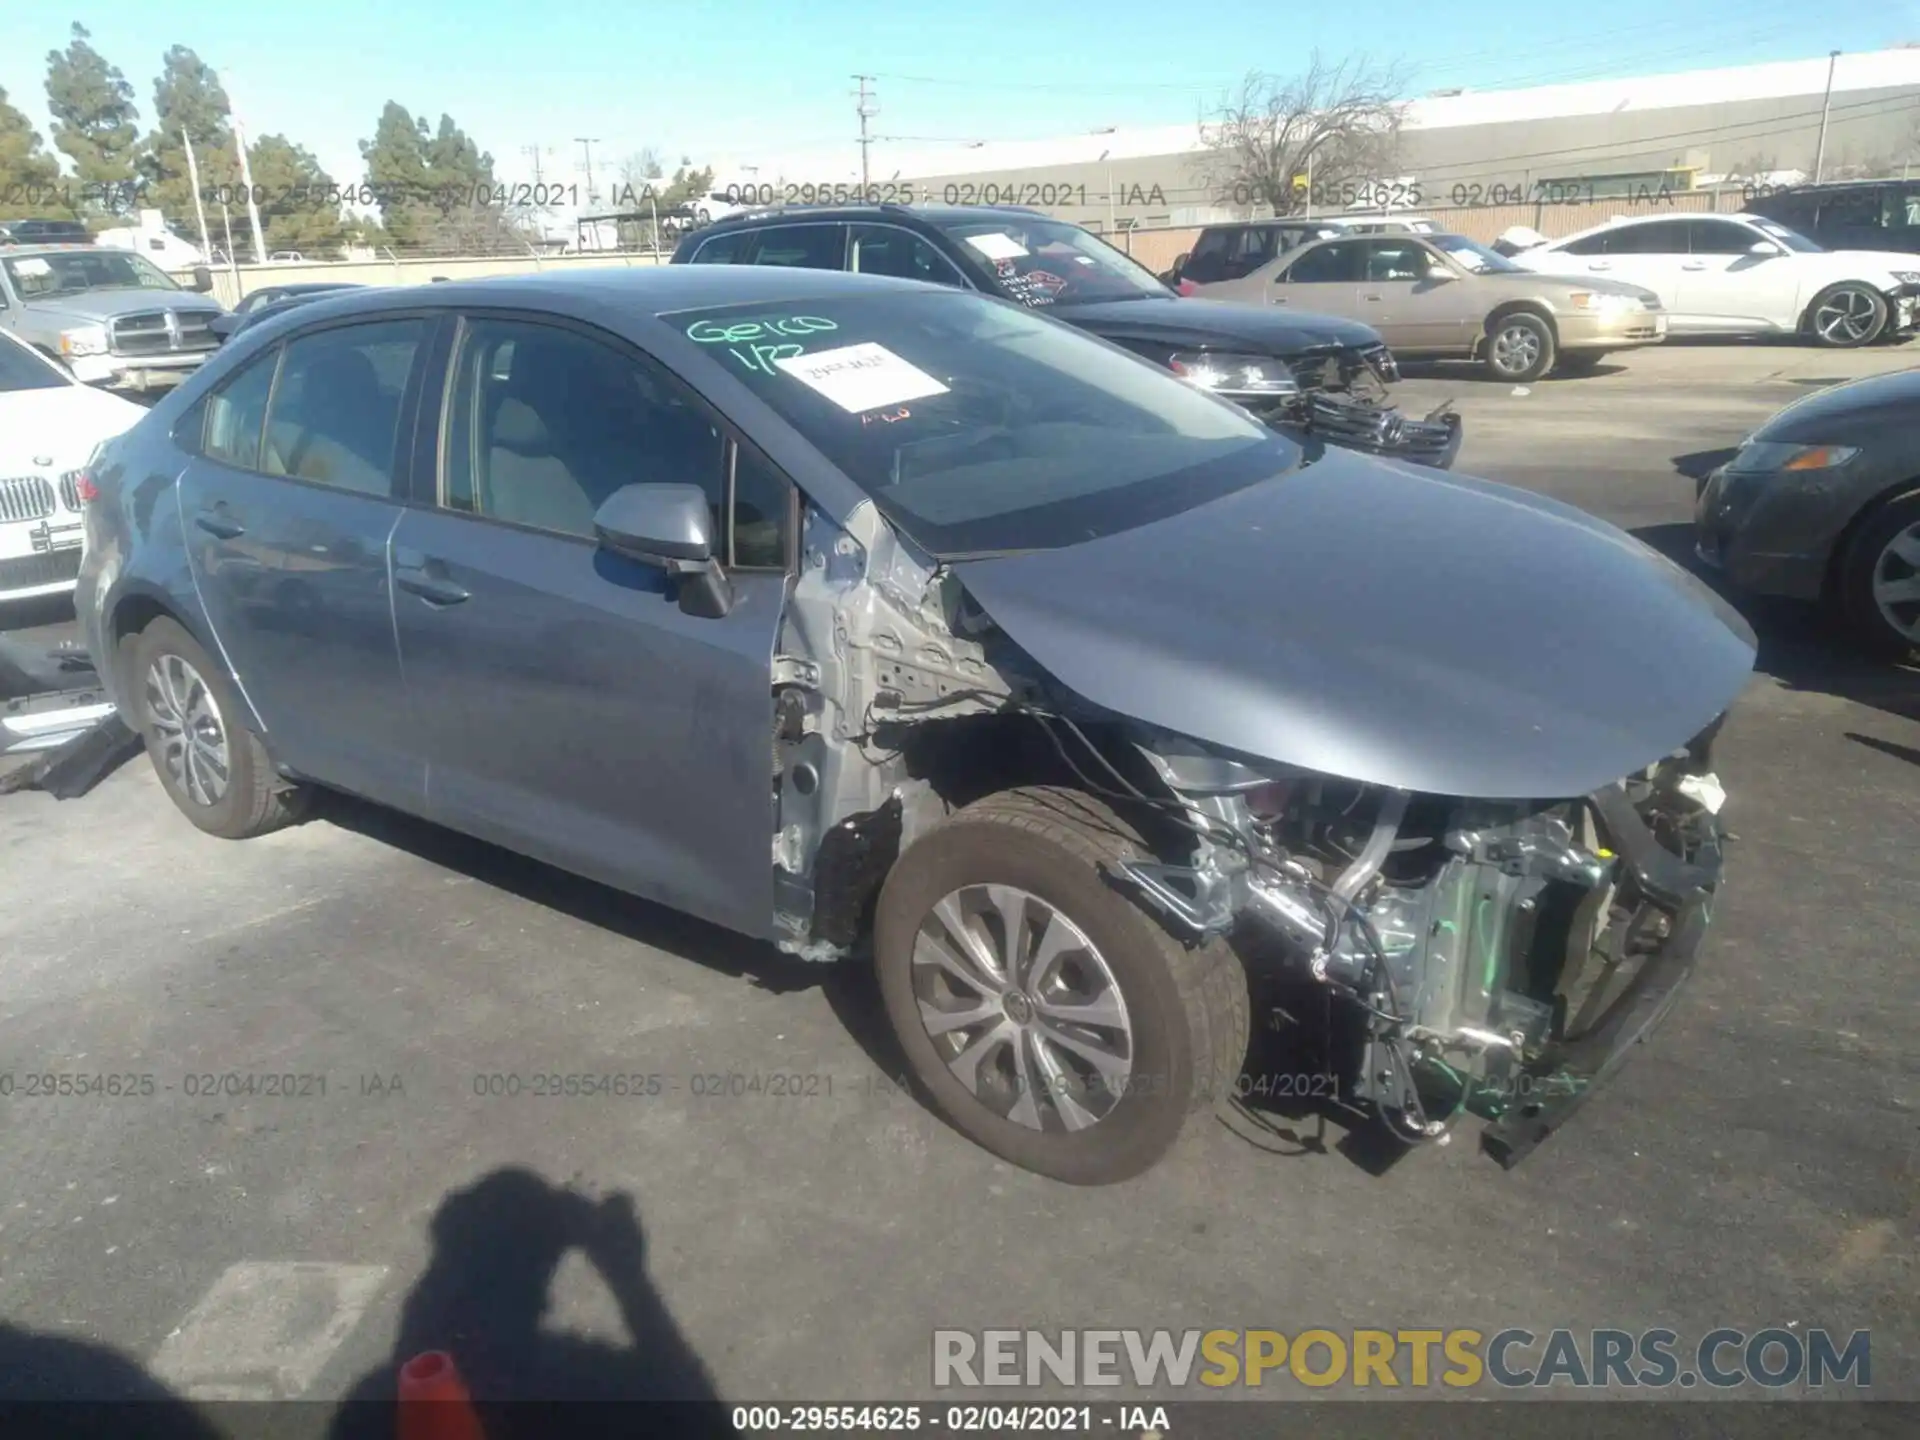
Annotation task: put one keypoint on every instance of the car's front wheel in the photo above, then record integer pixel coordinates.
(1880, 577)
(1844, 317)
(188, 713)
(1044, 1014)
(1520, 347)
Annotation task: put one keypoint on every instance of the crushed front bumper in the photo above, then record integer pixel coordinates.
(1383, 430)
(1684, 890)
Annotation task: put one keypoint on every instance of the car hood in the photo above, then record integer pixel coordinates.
(1390, 625)
(1217, 324)
(1530, 282)
(1901, 260)
(96, 305)
(47, 431)
(1832, 415)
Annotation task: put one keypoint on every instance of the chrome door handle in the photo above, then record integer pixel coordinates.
(430, 581)
(1694, 265)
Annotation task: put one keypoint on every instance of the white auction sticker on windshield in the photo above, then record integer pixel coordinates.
(996, 246)
(865, 377)
(33, 265)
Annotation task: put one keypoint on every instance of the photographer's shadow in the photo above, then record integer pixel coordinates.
(497, 1247)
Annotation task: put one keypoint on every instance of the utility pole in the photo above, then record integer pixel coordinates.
(246, 179)
(199, 205)
(586, 144)
(532, 152)
(866, 112)
(1820, 155)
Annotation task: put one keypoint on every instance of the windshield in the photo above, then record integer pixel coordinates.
(23, 368)
(1048, 262)
(1472, 255)
(978, 428)
(72, 272)
(1792, 239)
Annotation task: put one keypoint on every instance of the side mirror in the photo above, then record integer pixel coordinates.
(1439, 273)
(669, 526)
(202, 280)
(1763, 247)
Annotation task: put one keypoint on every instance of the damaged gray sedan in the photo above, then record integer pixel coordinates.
(902, 625)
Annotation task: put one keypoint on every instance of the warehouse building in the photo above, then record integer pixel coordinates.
(1575, 144)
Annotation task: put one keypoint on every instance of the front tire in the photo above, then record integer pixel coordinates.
(1880, 578)
(1847, 316)
(187, 711)
(1520, 348)
(1045, 1015)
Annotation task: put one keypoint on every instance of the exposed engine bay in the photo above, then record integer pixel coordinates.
(1494, 949)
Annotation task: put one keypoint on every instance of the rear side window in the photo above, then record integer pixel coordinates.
(1331, 264)
(1251, 249)
(889, 250)
(335, 416)
(1207, 264)
(1662, 237)
(722, 249)
(805, 247)
(236, 414)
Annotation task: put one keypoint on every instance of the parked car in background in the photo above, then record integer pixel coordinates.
(885, 618)
(1822, 503)
(44, 232)
(258, 305)
(1746, 275)
(49, 425)
(110, 316)
(1849, 215)
(1234, 251)
(1389, 224)
(1447, 297)
(1326, 374)
(286, 257)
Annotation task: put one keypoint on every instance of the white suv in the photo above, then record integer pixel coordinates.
(49, 426)
(1746, 275)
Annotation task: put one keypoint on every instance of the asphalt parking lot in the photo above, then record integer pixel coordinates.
(1758, 1164)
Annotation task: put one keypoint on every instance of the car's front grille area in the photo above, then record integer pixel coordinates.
(70, 490)
(162, 332)
(1381, 430)
(50, 567)
(26, 497)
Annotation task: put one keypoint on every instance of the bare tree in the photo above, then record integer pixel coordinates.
(1335, 124)
(641, 169)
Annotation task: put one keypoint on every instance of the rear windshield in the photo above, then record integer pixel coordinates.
(978, 427)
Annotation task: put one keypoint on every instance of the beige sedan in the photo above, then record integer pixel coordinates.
(1445, 296)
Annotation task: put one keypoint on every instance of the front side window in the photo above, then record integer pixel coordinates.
(74, 272)
(1049, 262)
(236, 414)
(1662, 237)
(545, 423)
(335, 416)
(1790, 238)
(1399, 260)
(977, 427)
(722, 249)
(1720, 237)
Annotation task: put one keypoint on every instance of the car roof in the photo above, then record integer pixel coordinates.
(15, 252)
(631, 293)
(932, 214)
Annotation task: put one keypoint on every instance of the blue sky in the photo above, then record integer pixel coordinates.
(747, 77)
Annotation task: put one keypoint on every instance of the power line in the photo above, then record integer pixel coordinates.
(586, 144)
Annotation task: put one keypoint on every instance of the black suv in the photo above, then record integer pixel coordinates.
(1314, 373)
(1849, 215)
(44, 232)
(1234, 251)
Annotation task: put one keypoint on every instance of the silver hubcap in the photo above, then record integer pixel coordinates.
(1516, 349)
(1846, 317)
(1023, 1008)
(187, 723)
(1896, 583)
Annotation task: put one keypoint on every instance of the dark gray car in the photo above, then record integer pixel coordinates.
(1823, 503)
(871, 617)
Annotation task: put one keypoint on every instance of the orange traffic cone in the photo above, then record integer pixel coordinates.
(434, 1403)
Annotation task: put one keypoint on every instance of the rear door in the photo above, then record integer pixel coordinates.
(568, 707)
(1322, 279)
(287, 505)
(1650, 253)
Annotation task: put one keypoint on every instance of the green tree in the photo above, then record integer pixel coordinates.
(434, 188)
(188, 101)
(301, 210)
(396, 159)
(29, 176)
(93, 123)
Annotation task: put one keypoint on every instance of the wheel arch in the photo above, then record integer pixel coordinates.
(1536, 308)
(1806, 314)
(132, 612)
(1842, 547)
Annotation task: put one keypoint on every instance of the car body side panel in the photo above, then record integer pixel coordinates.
(1389, 625)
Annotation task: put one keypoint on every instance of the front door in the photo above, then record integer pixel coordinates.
(569, 708)
(1415, 300)
(1725, 286)
(287, 506)
(1320, 279)
(1651, 254)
